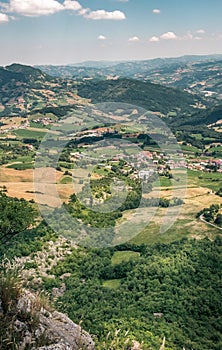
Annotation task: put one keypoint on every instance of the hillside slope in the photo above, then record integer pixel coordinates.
(152, 97)
(24, 89)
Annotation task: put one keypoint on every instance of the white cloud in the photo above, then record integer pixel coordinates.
(169, 36)
(102, 14)
(4, 6)
(188, 36)
(3, 18)
(154, 39)
(134, 39)
(34, 8)
(200, 31)
(72, 5)
(172, 36)
(83, 12)
(101, 37)
(156, 11)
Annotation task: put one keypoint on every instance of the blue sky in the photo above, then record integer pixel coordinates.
(69, 31)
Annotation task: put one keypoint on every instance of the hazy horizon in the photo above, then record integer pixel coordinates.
(110, 62)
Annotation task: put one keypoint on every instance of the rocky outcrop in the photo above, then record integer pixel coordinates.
(37, 327)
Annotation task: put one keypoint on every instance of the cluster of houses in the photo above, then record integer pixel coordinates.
(26, 124)
(149, 162)
(205, 165)
(44, 121)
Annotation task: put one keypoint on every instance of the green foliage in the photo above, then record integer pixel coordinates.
(21, 166)
(179, 281)
(16, 215)
(11, 283)
(210, 213)
(126, 255)
(27, 242)
(153, 97)
(115, 283)
(218, 220)
(219, 192)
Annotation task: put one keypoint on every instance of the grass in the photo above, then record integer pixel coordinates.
(10, 284)
(190, 149)
(186, 224)
(212, 181)
(37, 125)
(152, 234)
(21, 166)
(24, 159)
(197, 136)
(119, 257)
(102, 171)
(24, 133)
(216, 149)
(66, 180)
(112, 284)
(163, 181)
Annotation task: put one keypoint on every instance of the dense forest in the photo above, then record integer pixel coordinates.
(148, 292)
(151, 96)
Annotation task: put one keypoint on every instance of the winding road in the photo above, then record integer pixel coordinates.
(209, 223)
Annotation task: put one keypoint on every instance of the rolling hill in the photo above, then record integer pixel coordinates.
(152, 97)
(197, 74)
(24, 89)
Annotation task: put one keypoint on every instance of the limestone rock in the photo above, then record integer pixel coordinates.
(37, 327)
(55, 347)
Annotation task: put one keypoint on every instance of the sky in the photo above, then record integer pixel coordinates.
(69, 31)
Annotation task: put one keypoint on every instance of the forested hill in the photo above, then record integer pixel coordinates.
(152, 97)
(200, 118)
(24, 89)
(17, 73)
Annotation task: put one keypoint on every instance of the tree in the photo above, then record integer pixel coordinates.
(218, 220)
(16, 215)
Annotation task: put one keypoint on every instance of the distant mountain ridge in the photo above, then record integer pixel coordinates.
(24, 89)
(196, 74)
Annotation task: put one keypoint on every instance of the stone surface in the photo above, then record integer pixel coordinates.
(55, 347)
(34, 324)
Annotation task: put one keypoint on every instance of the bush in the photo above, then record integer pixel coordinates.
(11, 283)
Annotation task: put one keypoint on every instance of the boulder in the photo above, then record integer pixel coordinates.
(38, 327)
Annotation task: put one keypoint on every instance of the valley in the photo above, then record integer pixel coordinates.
(121, 178)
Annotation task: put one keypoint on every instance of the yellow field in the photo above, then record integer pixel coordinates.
(180, 221)
(19, 183)
(11, 122)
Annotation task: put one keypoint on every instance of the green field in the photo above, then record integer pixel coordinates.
(212, 181)
(37, 125)
(189, 149)
(24, 133)
(112, 284)
(21, 166)
(24, 159)
(163, 181)
(119, 257)
(66, 180)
